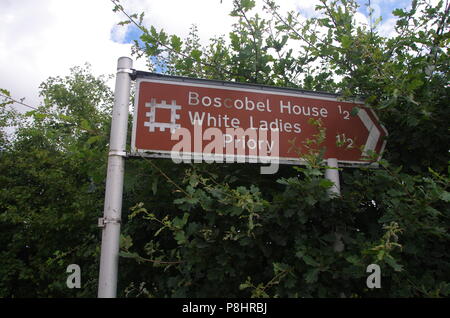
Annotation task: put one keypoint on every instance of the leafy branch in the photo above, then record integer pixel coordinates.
(161, 39)
(261, 290)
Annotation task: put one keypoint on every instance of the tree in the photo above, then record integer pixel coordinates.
(52, 177)
(249, 235)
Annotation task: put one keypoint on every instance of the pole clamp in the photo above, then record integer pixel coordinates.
(103, 221)
(126, 70)
(117, 153)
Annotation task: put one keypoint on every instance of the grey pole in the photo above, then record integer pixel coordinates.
(109, 259)
(333, 176)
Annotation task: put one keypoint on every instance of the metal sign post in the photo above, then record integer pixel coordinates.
(332, 174)
(109, 259)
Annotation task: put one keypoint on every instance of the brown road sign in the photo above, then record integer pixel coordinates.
(166, 104)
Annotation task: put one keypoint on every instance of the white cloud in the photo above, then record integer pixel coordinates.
(119, 32)
(387, 28)
(177, 16)
(361, 19)
(45, 38)
(307, 8)
(211, 16)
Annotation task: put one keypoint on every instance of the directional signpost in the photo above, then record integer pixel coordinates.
(164, 104)
(204, 120)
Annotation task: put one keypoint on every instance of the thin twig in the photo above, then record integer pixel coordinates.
(166, 176)
(140, 258)
(140, 27)
(253, 31)
(18, 102)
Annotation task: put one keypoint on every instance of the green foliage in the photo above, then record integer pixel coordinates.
(9, 117)
(52, 176)
(253, 236)
(210, 230)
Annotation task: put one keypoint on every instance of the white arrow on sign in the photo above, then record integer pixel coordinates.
(374, 133)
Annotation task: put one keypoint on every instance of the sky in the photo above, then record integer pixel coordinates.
(43, 38)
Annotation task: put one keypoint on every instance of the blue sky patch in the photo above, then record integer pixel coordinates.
(382, 8)
(133, 33)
